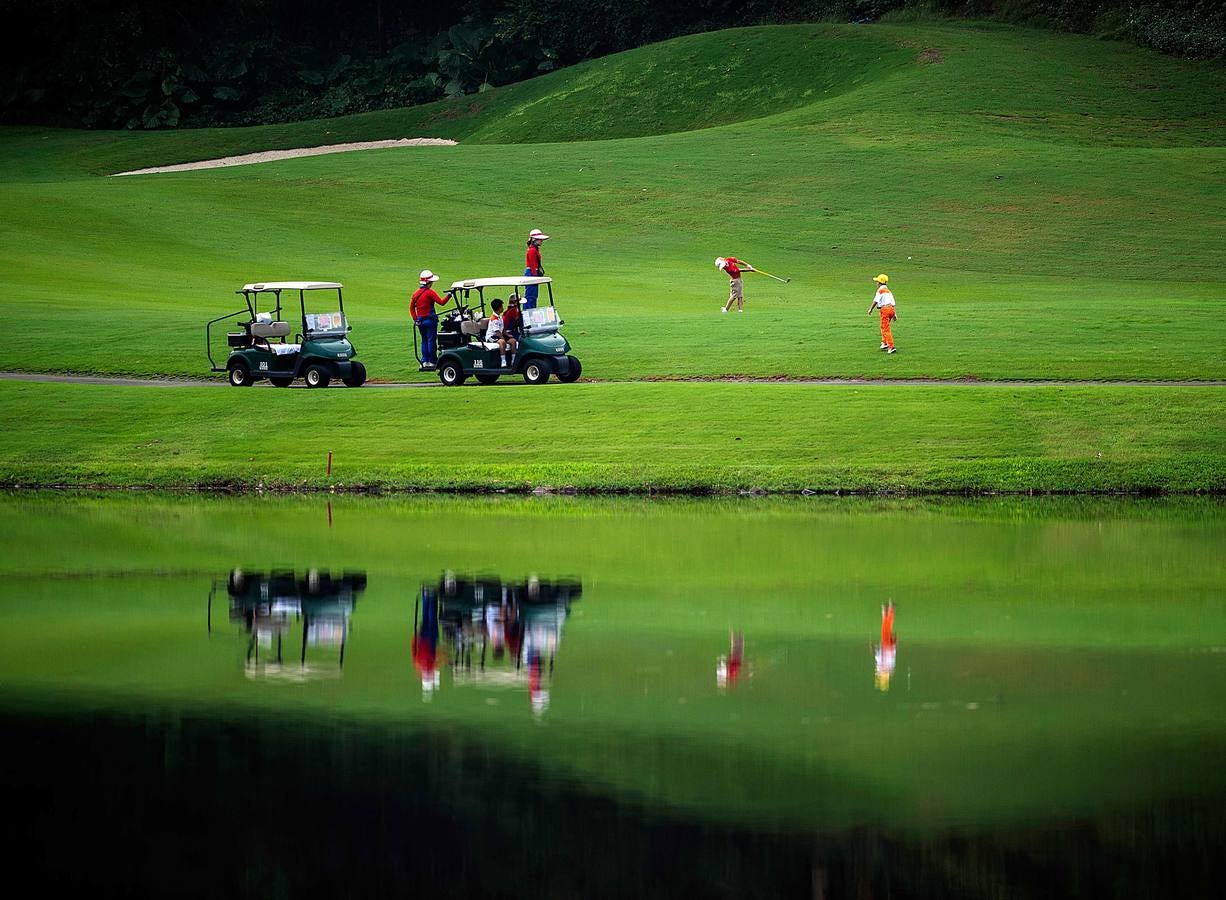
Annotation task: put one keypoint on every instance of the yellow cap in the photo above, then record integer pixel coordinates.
(882, 278)
(882, 681)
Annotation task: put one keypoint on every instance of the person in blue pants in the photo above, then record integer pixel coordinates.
(422, 308)
(533, 267)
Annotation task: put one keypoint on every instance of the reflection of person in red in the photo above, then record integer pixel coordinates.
(728, 668)
(425, 644)
(885, 652)
(538, 690)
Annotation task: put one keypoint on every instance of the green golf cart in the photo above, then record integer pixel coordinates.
(270, 605)
(463, 350)
(319, 353)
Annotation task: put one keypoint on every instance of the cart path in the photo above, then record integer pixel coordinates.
(250, 159)
(170, 382)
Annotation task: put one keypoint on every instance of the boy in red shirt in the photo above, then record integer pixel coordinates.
(421, 307)
(731, 266)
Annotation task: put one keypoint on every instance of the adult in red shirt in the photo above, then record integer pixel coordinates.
(421, 307)
(532, 266)
(732, 267)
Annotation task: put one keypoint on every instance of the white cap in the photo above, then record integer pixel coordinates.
(720, 262)
(537, 235)
(427, 276)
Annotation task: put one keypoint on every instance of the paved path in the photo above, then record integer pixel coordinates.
(866, 382)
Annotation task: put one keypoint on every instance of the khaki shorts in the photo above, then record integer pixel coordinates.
(735, 290)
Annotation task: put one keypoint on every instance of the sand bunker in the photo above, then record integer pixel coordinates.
(250, 159)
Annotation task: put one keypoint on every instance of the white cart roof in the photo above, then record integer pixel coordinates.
(508, 281)
(291, 286)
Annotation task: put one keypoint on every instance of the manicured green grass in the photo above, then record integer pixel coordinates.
(621, 437)
(1047, 206)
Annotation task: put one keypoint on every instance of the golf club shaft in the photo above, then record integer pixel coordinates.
(769, 275)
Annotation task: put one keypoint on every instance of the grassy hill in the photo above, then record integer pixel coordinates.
(1047, 206)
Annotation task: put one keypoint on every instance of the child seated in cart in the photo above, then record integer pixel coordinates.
(496, 332)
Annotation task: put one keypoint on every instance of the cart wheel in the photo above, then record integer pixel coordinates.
(281, 382)
(576, 369)
(486, 377)
(536, 371)
(239, 373)
(357, 376)
(451, 373)
(317, 376)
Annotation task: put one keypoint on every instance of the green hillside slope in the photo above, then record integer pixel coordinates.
(1047, 206)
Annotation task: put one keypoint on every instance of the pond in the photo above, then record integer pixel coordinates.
(555, 697)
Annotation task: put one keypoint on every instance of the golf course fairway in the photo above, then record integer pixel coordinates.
(1048, 207)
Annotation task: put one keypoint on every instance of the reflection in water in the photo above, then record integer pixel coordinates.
(728, 668)
(271, 606)
(501, 633)
(885, 653)
(1060, 752)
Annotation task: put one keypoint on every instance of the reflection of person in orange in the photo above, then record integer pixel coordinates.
(728, 668)
(425, 644)
(885, 652)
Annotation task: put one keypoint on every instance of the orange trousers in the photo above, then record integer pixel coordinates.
(887, 316)
(887, 626)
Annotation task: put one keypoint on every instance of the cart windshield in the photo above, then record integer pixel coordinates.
(321, 324)
(541, 318)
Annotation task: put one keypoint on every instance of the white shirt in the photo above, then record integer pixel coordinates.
(493, 329)
(884, 297)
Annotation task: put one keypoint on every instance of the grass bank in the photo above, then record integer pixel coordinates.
(621, 437)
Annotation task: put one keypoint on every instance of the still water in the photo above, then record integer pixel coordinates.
(561, 697)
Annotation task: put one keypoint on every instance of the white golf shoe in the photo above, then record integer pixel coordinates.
(723, 309)
(891, 350)
(883, 347)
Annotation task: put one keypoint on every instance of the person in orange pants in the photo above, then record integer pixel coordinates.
(885, 654)
(883, 300)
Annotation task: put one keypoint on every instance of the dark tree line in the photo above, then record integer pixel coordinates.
(165, 63)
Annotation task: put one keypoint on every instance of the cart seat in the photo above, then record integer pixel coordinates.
(489, 345)
(284, 349)
(270, 329)
(471, 328)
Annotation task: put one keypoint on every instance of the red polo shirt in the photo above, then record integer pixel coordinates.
(424, 301)
(732, 268)
(533, 258)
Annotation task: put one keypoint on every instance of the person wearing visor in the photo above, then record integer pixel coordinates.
(533, 267)
(732, 267)
(422, 308)
(883, 301)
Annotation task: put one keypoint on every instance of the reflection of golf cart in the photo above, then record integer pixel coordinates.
(501, 633)
(319, 353)
(463, 350)
(269, 606)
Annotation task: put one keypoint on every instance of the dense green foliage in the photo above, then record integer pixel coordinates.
(136, 65)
